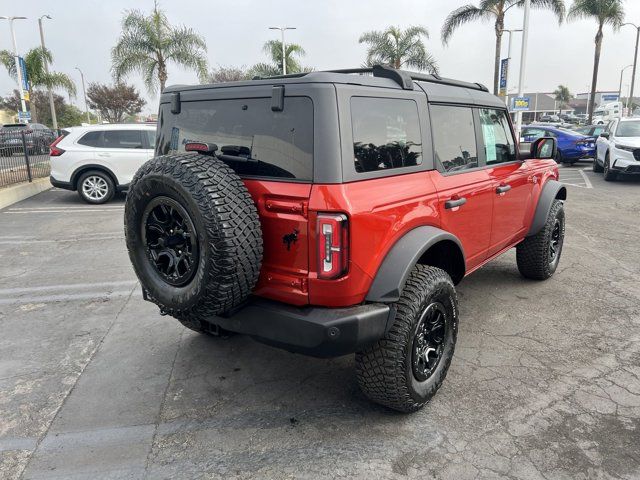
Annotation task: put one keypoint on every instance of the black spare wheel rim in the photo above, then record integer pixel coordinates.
(429, 341)
(170, 240)
(555, 244)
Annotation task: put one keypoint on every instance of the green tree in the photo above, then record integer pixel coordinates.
(116, 102)
(36, 74)
(604, 12)
(398, 48)
(273, 49)
(563, 96)
(149, 42)
(228, 74)
(494, 10)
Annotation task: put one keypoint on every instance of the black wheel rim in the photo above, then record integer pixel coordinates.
(555, 244)
(429, 341)
(170, 240)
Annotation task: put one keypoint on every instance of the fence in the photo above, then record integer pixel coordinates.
(24, 155)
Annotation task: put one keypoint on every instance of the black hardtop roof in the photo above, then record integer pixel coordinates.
(438, 89)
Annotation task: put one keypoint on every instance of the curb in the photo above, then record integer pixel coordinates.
(15, 193)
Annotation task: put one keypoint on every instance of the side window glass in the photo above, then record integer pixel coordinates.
(91, 139)
(454, 138)
(122, 139)
(499, 144)
(386, 133)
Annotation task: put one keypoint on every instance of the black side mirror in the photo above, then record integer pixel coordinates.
(544, 148)
(605, 135)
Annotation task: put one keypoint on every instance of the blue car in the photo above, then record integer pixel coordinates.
(572, 146)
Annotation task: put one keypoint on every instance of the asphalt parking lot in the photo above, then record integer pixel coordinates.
(94, 383)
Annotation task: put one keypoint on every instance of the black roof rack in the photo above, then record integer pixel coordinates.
(403, 78)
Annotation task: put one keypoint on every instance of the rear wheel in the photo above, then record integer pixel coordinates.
(596, 166)
(609, 175)
(406, 368)
(96, 187)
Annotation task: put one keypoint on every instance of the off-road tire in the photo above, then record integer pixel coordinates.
(227, 229)
(533, 253)
(110, 185)
(596, 166)
(384, 370)
(609, 175)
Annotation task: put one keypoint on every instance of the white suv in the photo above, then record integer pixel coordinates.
(100, 160)
(618, 148)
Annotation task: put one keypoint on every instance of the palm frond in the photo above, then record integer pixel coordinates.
(8, 61)
(556, 6)
(460, 16)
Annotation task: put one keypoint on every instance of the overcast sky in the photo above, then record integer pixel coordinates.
(82, 33)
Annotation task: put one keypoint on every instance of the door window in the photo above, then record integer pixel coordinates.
(151, 138)
(386, 133)
(499, 144)
(454, 138)
(122, 139)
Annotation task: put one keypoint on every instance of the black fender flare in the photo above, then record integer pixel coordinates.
(550, 191)
(92, 166)
(400, 260)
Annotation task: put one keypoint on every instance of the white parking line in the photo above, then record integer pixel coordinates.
(64, 209)
(61, 240)
(67, 286)
(586, 179)
(66, 297)
(84, 210)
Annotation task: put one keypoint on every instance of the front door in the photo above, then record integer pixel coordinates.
(512, 188)
(124, 151)
(465, 190)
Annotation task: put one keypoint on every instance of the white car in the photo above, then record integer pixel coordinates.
(618, 148)
(100, 160)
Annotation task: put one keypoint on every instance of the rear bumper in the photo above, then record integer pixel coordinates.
(60, 184)
(315, 331)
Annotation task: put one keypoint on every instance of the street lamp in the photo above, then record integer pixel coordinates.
(635, 57)
(17, 60)
(84, 94)
(620, 88)
(523, 59)
(282, 29)
(509, 61)
(54, 120)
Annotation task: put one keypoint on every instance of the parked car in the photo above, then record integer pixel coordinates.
(572, 146)
(330, 213)
(100, 160)
(549, 118)
(569, 118)
(618, 149)
(37, 138)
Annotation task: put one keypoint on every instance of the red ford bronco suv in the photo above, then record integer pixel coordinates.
(330, 213)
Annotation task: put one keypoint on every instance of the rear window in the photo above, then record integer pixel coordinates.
(123, 139)
(252, 139)
(91, 139)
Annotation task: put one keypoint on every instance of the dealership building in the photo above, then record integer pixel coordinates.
(544, 103)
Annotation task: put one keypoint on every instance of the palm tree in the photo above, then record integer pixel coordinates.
(563, 96)
(37, 76)
(494, 10)
(605, 12)
(398, 48)
(148, 43)
(273, 49)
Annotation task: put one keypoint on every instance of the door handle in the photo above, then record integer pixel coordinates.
(453, 203)
(104, 154)
(503, 189)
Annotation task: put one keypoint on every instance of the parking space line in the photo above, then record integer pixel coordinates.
(79, 207)
(66, 297)
(67, 286)
(84, 210)
(586, 179)
(61, 240)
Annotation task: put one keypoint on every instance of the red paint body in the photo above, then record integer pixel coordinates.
(380, 212)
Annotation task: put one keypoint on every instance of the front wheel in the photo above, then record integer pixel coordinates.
(406, 368)
(538, 255)
(596, 166)
(609, 175)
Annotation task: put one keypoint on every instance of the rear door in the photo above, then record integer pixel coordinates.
(512, 189)
(124, 152)
(465, 189)
(273, 152)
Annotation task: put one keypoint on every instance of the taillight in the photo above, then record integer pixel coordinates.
(55, 151)
(333, 245)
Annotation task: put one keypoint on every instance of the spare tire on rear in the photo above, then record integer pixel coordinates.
(193, 235)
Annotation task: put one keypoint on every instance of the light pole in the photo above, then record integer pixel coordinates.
(508, 62)
(84, 94)
(17, 60)
(284, 62)
(620, 88)
(523, 59)
(635, 57)
(54, 120)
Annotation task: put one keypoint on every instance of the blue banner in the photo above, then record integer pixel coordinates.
(521, 104)
(23, 72)
(504, 69)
